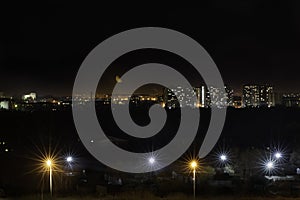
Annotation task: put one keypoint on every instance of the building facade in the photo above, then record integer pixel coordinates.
(258, 96)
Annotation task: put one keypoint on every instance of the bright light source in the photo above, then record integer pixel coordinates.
(69, 159)
(278, 155)
(193, 164)
(151, 160)
(270, 165)
(49, 163)
(223, 157)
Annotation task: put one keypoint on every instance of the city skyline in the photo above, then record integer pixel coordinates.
(187, 101)
(254, 96)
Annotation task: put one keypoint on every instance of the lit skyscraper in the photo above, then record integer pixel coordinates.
(205, 97)
(258, 95)
(201, 94)
(267, 97)
(229, 92)
(218, 97)
(179, 96)
(251, 96)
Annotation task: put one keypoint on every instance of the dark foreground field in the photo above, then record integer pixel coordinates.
(246, 133)
(147, 196)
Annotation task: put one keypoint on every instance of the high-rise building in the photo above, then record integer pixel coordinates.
(29, 97)
(258, 95)
(205, 97)
(201, 95)
(213, 96)
(251, 95)
(229, 92)
(179, 97)
(266, 95)
(218, 97)
(170, 99)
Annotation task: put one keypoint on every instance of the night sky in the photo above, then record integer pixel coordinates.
(42, 47)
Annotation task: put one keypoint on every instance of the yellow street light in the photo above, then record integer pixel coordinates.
(193, 166)
(49, 163)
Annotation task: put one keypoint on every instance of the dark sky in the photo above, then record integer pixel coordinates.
(42, 47)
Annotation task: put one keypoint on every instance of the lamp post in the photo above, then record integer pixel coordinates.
(49, 164)
(223, 161)
(151, 162)
(69, 161)
(193, 166)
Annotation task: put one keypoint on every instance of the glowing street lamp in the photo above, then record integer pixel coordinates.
(223, 158)
(270, 165)
(193, 166)
(151, 161)
(69, 159)
(278, 155)
(49, 164)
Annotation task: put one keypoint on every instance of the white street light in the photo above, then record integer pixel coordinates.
(69, 159)
(270, 166)
(278, 155)
(223, 158)
(151, 160)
